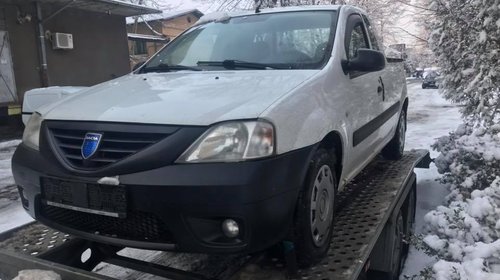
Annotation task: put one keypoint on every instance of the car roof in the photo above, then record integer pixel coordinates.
(221, 16)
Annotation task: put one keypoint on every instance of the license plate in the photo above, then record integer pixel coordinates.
(93, 198)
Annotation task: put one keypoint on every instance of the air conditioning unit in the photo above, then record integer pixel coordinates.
(62, 41)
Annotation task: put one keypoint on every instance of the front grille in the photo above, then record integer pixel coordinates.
(114, 146)
(137, 226)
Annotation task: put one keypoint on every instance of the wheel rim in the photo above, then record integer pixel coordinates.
(402, 131)
(322, 198)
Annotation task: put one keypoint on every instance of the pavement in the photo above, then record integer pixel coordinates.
(12, 214)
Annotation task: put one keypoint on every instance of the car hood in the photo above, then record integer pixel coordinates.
(184, 98)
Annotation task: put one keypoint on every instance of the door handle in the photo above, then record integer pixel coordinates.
(381, 88)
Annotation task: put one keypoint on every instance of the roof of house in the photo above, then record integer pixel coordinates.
(166, 15)
(113, 7)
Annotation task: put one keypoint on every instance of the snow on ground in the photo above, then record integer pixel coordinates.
(430, 116)
(6, 151)
(36, 274)
(12, 213)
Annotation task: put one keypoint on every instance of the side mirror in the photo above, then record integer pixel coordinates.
(366, 61)
(138, 65)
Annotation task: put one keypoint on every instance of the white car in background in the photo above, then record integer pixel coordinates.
(235, 136)
(39, 97)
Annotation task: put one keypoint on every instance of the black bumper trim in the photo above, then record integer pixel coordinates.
(262, 194)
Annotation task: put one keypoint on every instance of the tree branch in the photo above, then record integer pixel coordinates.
(415, 6)
(413, 35)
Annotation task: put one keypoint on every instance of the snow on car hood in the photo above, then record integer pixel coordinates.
(184, 98)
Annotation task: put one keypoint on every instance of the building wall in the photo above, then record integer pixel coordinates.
(100, 47)
(23, 48)
(172, 28)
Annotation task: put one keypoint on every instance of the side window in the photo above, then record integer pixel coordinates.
(357, 40)
(371, 34)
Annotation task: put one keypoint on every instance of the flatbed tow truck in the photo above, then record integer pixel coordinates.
(374, 215)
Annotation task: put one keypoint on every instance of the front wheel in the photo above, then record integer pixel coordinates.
(395, 148)
(315, 209)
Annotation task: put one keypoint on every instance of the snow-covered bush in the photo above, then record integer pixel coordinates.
(464, 234)
(469, 158)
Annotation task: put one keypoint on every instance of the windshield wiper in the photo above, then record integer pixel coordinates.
(163, 67)
(233, 64)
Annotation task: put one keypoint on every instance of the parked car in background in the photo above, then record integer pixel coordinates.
(237, 135)
(430, 80)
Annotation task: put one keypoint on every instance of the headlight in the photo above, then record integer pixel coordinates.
(31, 135)
(232, 141)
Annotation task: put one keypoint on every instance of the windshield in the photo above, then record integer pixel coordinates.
(291, 40)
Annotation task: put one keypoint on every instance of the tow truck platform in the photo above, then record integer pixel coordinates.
(374, 216)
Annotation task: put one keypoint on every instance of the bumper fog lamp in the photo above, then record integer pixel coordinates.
(230, 228)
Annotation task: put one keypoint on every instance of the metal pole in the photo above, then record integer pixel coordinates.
(42, 52)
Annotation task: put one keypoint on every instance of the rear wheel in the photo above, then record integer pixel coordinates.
(398, 248)
(409, 217)
(315, 209)
(395, 148)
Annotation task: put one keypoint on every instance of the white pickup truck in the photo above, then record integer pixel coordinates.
(235, 136)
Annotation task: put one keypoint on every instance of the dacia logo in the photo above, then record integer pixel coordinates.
(90, 144)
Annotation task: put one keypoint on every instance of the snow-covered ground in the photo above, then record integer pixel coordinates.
(12, 213)
(429, 117)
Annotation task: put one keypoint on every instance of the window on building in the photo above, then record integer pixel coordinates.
(140, 47)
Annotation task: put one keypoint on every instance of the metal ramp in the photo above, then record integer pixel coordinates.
(363, 210)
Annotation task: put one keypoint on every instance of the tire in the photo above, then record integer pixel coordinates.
(395, 148)
(313, 225)
(410, 207)
(424, 87)
(397, 259)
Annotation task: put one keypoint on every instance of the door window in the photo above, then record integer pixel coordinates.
(372, 34)
(357, 40)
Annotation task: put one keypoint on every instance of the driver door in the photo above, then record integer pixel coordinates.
(366, 95)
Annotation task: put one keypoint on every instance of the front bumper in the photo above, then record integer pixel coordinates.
(430, 84)
(184, 204)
